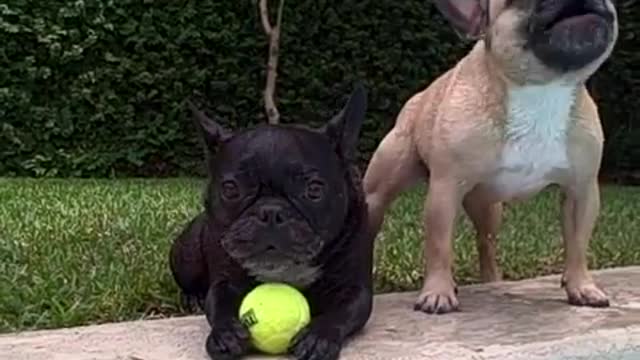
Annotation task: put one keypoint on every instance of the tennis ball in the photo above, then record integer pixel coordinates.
(274, 313)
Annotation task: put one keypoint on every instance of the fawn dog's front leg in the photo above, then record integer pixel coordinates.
(438, 293)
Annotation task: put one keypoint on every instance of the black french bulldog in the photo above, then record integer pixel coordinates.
(282, 204)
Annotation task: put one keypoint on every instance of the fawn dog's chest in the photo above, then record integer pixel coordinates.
(534, 153)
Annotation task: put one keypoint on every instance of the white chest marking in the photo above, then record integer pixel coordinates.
(536, 140)
(284, 271)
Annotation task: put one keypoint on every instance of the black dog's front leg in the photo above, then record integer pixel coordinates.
(229, 339)
(188, 265)
(341, 313)
(341, 302)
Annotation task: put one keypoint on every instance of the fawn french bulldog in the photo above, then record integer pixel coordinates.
(510, 118)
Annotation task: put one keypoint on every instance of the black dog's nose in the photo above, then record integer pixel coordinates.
(271, 215)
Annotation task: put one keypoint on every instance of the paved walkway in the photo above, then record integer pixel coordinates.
(527, 320)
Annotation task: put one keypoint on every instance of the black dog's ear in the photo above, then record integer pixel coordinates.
(210, 131)
(344, 128)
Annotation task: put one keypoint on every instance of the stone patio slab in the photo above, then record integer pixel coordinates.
(528, 319)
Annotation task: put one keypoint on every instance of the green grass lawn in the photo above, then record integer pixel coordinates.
(75, 252)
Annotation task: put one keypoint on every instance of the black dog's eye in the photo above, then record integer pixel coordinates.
(230, 190)
(315, 190)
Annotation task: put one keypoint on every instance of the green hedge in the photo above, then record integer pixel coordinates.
(96, 88)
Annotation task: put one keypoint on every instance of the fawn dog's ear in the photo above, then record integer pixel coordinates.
(469, 18)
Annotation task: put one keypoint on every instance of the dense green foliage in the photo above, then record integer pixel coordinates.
(97, 87)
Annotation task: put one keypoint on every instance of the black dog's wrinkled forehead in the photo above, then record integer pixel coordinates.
(278, 151)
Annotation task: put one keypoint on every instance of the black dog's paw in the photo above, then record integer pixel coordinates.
(312, 344)
(191, 303)
(228, 341)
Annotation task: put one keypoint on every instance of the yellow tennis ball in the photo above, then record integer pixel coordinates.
(274, 313)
